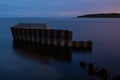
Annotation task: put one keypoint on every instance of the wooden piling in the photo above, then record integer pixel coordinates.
(45, 35)
(40, 35)
(37, 36)
(48, 37)
(68, 38)
(62, 38)
(30, 35)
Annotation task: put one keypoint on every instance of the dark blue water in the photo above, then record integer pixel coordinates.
(20, 63)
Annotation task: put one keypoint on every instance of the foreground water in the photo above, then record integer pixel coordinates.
(18, 62)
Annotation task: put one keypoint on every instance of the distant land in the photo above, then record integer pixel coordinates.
(101, 15)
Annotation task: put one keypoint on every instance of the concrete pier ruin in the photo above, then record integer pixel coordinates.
(41, 33)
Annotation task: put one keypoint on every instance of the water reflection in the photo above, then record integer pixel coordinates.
(101, 73)
(42, 52)
(82, 50)
(46, 53)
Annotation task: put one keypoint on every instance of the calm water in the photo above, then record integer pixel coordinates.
(18, 62)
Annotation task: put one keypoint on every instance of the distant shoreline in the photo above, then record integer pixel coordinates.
(101, 15)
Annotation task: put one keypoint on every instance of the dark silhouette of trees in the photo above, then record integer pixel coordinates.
(101, 15)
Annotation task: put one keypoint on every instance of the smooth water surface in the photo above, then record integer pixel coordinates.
(17, 62)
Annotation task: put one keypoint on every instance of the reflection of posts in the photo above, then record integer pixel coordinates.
(33, 50)
(83, 50)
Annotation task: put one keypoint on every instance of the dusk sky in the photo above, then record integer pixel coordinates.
(56, 8)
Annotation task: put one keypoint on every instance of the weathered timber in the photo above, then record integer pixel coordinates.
(41, 33)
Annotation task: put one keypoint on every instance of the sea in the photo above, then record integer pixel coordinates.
(100, 62)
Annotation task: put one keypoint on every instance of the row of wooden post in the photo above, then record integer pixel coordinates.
(44, 36)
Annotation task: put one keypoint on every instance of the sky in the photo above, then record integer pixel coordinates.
(56, 8)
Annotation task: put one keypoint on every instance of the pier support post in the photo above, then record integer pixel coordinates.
(68, 38)
(55, 38)
(37, 36)
(62, 38)
(48, 37)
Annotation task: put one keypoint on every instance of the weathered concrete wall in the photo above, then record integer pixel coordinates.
(41, 33)
(43, 36)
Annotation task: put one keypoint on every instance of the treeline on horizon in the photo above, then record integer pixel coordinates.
(101, 15)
